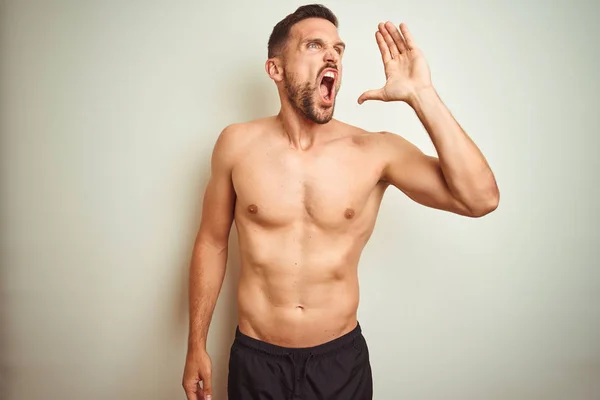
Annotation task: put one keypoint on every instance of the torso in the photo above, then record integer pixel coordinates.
(303, 219)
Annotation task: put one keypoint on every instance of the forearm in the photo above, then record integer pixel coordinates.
(464, 167)
(207, 271)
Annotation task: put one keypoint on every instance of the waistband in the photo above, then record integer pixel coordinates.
(345, 340)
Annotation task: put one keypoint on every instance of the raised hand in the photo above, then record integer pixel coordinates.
(406, 70)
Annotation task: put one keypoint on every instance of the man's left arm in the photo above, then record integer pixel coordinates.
(460, 180)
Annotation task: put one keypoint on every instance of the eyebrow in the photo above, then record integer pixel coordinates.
(321, 41)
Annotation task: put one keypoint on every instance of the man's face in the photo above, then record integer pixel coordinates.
(313, 68)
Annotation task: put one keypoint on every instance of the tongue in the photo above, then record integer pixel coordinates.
(324, 90)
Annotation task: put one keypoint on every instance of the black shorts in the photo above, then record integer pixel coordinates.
(335, 370)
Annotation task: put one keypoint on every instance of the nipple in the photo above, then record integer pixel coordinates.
(349, 213)
(252, 208)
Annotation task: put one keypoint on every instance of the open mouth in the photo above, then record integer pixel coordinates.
(327, 86)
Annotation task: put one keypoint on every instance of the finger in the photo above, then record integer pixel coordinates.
(207, 389)
(191, 394)
(389, 41)
(371, 95)
(385, 52)
(408, 38)
(396, 36)
(191, 389)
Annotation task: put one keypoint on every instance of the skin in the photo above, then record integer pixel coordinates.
(304, 190)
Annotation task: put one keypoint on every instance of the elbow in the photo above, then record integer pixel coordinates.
(211, 242)
(486, 204)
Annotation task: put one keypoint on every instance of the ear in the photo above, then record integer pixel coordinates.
(274, 69)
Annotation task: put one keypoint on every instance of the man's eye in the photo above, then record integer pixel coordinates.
(313, 45)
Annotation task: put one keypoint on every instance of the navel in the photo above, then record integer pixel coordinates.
(349, 213)
(252, 208)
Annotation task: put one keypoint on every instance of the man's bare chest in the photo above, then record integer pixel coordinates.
(328, 191)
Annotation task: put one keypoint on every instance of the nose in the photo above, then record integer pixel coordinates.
(331, 56)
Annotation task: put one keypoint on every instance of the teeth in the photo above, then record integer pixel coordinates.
(329, 74)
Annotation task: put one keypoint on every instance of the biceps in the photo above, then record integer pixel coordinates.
(421, 179)
(217, 211)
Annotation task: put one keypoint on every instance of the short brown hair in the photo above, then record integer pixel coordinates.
(281, 31)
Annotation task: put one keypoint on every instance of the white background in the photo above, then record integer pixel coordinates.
(110, 109)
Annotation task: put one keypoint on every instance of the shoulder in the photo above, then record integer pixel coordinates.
(236, 138)
(236, 135)
(378, 140)
(353, 133)
(392, 139)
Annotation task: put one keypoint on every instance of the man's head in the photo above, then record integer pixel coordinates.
(305, 54)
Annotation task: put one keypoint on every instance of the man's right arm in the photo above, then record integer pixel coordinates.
(209, 256)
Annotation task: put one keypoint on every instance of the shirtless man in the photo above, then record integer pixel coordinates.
(304, 190)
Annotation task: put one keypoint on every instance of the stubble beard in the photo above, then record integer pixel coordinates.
(302, 98)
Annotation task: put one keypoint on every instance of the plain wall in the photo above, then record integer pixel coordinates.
(110, 110)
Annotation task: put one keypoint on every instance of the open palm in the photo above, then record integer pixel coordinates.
(406, 70)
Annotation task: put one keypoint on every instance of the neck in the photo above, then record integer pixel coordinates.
(301, 131)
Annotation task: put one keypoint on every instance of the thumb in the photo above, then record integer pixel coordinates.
(371, 95)
(207, 388)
